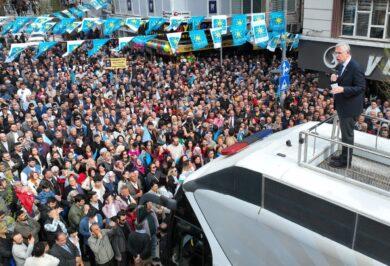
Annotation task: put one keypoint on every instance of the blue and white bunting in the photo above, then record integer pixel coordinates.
(273, 42)
(239, 35)
(277, 21)
(122, 42)
(195, 21)
(61, 26)
(7, 27)
(295, 42)
(71, 46)
(89, 24)
(154, 23)
(15, 50)
(76, 12)
(174, 22)
(111, 25)
(97, 45)
(260, 33)
(198, 39)
(216, 36)
(257, 18)
(143, 39)
(239, 20)
(133, 24)
(72, 27)
(83, 8)
(174, 39)
(219, 22)
(19, 23)
(43, 47)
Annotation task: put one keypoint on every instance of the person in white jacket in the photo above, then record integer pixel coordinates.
(21, 251)
(40, 257)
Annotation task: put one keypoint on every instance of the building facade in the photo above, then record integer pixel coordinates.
(364, 24)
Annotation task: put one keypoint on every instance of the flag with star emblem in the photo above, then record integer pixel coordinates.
(48, 26)
(260, 33)
(239, 35)
(277, 21)
(258, 18)
(273, 42)
(198, 39)
(154, 23)
(72, 26)
(239, 20)
(97, 44)
(15, 50)
(43, 47)
(216, 36)
(122, 42)
(174, 22)
(111, 25)
(195, 21)
(295, 42)
(19, 23)
(133, 24)
(7, 27)
(71, 46)
(219, 22)
(89, 24)
(38, 25)
(61, 26)
(76, 12)
(174, 39)
(143, 39)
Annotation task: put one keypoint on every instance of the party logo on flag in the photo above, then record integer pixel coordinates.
(198, 39)
(216, 36)
(97, 45)
(174, 39)
(239, 20)
(219, 22)
(133, 24)
(174, 23)
(111, 25)
(195, 21)
(43, 47)
(71, 46)
(277, 21)
(258, 18)
(239, 35)
(260, 33)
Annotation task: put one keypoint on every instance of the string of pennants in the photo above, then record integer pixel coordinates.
(258, 34)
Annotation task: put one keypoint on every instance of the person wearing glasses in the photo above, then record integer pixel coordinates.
(348, 87)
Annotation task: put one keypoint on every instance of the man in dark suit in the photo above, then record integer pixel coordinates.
(65, 251)
(348, 89)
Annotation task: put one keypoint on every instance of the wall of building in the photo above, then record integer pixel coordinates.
(317, 18)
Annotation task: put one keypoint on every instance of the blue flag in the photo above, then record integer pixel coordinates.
(195, 21)
(122, 42)
(76, 12)
(60, 27)
(219, 22)
(154, 23)
(83, 8)
(174, 23)
(295, 42)
(7, 27)
(133, 23)
(88, 24)
(174, 39)
(111, 25)
(59, 15)
(143, 39)
(239, 20)
(72, 26)
(239, 35)
(273, 42)
(19, 23)
(216, 36)
(97, 45)
(198, 39)
(43, 47)
(15, 50)
(277, 21)
(71, 46)
(260, 33)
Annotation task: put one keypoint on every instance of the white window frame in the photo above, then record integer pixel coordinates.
(370, 12)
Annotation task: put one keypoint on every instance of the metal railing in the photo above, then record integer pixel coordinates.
(320, 157)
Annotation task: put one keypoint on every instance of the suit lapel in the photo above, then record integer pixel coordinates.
(345, 70)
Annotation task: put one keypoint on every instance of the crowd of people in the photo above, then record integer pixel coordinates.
(81, 144)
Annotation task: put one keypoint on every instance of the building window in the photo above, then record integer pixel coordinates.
(366, 19)
(278, 5)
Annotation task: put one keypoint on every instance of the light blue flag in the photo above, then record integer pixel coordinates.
(19, 23)
(111, 25)
(97, 45)
(133, 24)
(143, 39)
(88, 24)
(43, 47)
(7, 27)
(83, 8)
(174, 39)
(273, 42)
(239, 20)
(260, 33)
(295, 42)
(277, 21)
(219, 22)
(15, 50)
(67, 13)
(71, 46)
(61, 26)
(97, 4)
(72, 26)
(216, 36)
(154, 23)
(198, 39)
(59, 15)
(174, 23)
(47, 26)
(195, 22)
(76, 12)
(258, 18)
(122, 42)
(239, 35)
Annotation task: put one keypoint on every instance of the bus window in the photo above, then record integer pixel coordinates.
(188, 245)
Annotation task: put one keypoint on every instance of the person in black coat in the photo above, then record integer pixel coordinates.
(348, 89)
(139, 244)
(65, 251)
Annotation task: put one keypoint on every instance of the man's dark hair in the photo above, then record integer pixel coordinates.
(39, 249)
(78, 198)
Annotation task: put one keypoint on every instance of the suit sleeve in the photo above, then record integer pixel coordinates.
(359, 84)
